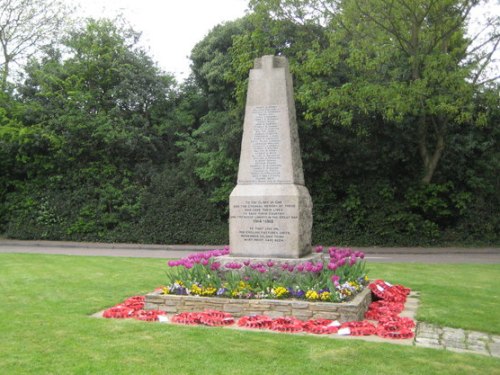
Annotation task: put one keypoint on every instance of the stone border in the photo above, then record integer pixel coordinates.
(343, 312)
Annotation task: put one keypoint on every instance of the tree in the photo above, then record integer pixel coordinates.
(408, 62)
(95, 127)
(26, 26)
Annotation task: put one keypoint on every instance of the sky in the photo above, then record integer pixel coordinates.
(170, 28)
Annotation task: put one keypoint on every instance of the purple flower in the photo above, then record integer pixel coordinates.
(319, 249)
(188, 265)
(270, 263)
(246, 263)
(300, 267)
(341, 262)
(172, 263)
(204, 262)
(299, 294)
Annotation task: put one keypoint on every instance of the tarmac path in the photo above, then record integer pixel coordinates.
(485, 255)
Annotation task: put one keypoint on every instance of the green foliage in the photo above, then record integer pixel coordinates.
(399, 142)
(97, 128)
(176, 210)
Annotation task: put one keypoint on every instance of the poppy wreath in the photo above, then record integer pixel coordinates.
(381, 308)
(288, 325)
(320, 326)
(188, 318)
(401, 329)
(136, 302)
(389, 292)
(118, 312)
(363, 328)
(148, 315)
(255, 321)
(216, 318)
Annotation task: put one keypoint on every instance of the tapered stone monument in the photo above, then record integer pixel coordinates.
(270, 208)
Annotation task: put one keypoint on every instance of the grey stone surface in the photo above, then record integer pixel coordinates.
(477, 342)
(457, 340)
(453, 338)
(494, 346)
(428, 331)
(270, 208)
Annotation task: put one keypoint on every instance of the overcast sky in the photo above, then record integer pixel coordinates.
(170, 28)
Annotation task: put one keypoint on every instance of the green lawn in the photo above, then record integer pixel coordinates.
(45, 301)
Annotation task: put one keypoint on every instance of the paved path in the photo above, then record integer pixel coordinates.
(457, 340)
(487, 255)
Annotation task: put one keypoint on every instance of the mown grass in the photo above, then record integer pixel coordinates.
(452, 295)
(45, 326)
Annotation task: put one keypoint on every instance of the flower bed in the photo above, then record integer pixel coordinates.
(383, 315)
(330, 287)
(336, 276)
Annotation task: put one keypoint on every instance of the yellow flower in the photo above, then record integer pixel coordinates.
(195, 289)
(165, 290)
(325, 296)
(312, 295)
(210, 291)
(280, 291)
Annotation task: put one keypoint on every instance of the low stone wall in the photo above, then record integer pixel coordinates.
(343, 312)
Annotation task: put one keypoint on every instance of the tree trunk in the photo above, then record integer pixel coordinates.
(429, 161)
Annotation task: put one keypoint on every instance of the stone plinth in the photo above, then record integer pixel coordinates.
(343, 312)
(270, 208)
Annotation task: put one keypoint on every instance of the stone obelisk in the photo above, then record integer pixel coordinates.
(270, 208)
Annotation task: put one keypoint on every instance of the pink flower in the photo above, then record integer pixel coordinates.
(246, 263)
(319, 249)
(332, 266)
(335, 280)
(352, 261)
(270, 263)
(215, 266)
(234, 265)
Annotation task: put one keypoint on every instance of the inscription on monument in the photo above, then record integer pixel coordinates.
(264, 220)
(265, 166)
(270, 209)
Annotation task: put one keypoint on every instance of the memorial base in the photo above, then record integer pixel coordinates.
(343, 312)
(270, 221)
